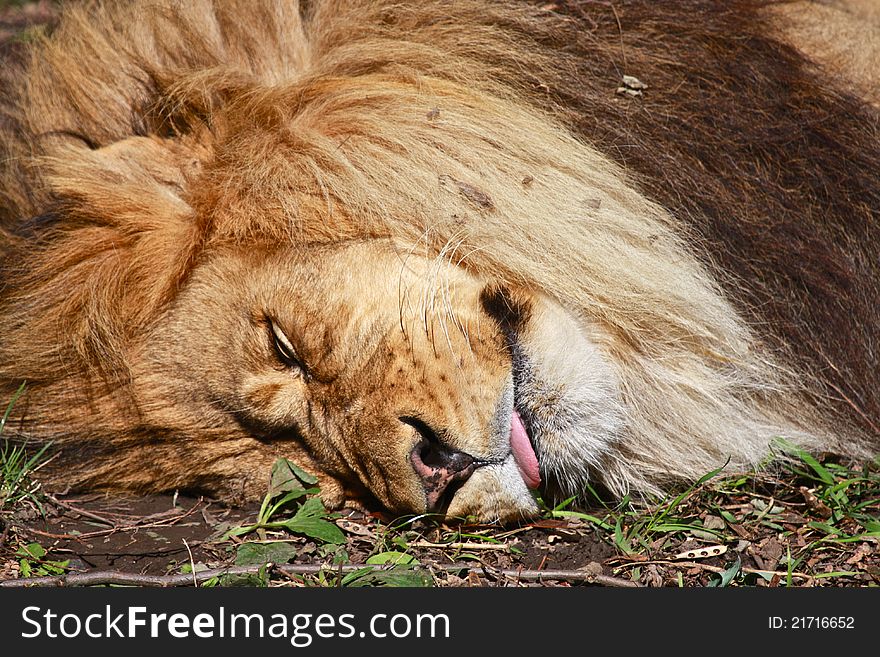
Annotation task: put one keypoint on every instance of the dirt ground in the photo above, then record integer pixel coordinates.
(15, 16)
(160, 534)
(754, 530)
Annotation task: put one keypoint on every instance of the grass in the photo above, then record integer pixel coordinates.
(18, 490)
(17, 484)
(809, 519)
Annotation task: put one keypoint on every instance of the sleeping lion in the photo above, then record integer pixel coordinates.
(452, 256)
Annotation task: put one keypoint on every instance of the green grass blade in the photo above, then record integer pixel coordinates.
(9, 406)
(583, 516)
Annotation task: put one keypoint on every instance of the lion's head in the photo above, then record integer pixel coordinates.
(367, 238)
(429, 387)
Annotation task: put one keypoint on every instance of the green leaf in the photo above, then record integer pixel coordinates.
(564, 504)
(287, 477)
(620, 539)
(11, 404)
(312, 507)
(188, 568)
(827, 528)
(305, 477)
(33, 550)
(871, 525)
(696, 530)
(269, 510)
(25, 567)
(259, 579)
(728, 516)
(355, 574)
(309, 520)
(259, 553)
(817, 467)
(393, 557)
(821, 472)
(56, 567)
(728, 574)
(837, 573)
(316, 528)
(283, 479)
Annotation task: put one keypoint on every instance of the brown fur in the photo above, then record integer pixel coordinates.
(774, 173)
(170, 179)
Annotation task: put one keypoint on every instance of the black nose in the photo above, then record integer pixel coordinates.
(441, 468)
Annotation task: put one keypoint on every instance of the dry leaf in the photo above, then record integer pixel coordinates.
(702, 553)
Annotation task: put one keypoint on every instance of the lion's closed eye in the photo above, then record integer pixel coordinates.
(286, 353)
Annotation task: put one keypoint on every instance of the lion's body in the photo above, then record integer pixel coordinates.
(454, 224)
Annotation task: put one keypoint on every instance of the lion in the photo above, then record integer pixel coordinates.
(452, 257)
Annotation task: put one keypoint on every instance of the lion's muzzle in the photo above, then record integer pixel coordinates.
(440, 468)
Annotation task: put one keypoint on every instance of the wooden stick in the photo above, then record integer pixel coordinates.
(106, 532)
(82, 512)
(717, 569)
(461, 546)
(99, 578)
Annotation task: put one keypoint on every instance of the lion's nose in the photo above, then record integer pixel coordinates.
(441, 468)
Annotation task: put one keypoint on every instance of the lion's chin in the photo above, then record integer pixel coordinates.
(495, 492)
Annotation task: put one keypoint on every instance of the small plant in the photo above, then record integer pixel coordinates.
(32, 562)
(292, 505)
(293, 489)
(846, 500)
(636, 528)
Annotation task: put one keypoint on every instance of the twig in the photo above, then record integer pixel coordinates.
(766, 510)
(717, 569)
(192, 562)
(105, 532)
(99, 578)
(82, 512)
(461, 546)
(568, 575)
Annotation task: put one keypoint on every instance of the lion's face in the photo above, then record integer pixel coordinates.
(403, 376)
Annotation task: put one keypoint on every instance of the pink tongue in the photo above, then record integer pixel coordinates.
(523, 453)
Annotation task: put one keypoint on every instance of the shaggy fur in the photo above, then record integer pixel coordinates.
(715, 235)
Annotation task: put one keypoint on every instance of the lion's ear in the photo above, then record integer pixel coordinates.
(134, 181)
(122, 242)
